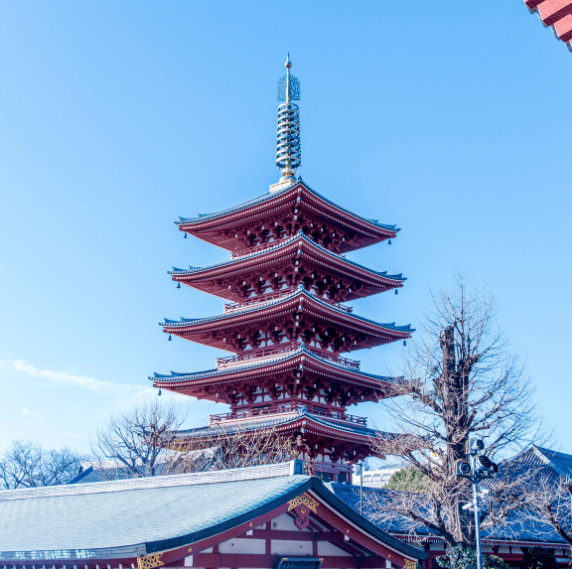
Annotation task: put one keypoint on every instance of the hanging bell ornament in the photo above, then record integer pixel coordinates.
(169, 337)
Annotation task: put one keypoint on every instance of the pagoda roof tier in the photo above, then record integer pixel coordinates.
(282, 214)
(291, 262)
(313, 372)
(288, 318)
(354, 440)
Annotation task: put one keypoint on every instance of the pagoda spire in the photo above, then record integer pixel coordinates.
(288, 153)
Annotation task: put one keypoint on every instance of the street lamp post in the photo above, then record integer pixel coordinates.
(478, 467)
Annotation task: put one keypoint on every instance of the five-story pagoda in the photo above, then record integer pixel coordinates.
(285, 323)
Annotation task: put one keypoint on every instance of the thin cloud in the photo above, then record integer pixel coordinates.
(34, 414)
(95, 385)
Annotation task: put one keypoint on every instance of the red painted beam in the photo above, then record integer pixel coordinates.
(551, 11)
(264, 561)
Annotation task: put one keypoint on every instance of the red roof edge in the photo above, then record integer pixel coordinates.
(556, 14)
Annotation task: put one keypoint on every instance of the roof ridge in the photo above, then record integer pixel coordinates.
(290, 468)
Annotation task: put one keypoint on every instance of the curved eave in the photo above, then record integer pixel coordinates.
(252, 369)
(285, 306)
(556, 15)
(310, 484)
(310, 251)
(170, 537)
(290, 422)
(268, 203)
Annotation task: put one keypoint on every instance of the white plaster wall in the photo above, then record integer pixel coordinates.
(285, 522)
(289, 547)
(238, 545)
(327, 548)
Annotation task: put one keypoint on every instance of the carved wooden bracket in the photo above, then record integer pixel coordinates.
(150, 561)
(302, 506)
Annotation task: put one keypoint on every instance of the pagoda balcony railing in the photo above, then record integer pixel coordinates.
(277, 408)
(269, 352)
(275, 296)
(260, 248)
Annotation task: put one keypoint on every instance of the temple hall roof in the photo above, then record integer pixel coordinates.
(154, 514)
(537, 462)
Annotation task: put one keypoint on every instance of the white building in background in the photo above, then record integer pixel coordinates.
(376, 478)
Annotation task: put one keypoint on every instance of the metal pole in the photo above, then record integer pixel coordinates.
(361, 490)
(475, 481)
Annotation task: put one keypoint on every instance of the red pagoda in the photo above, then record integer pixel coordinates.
(284, 323)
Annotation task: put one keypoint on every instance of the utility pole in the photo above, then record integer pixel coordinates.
(361, 487)
(478, 467)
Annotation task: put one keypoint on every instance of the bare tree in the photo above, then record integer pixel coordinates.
(460, 382)
(145, 441)
(241, 448)
(139, 442)
(28, 465)
(548, 492)
(550, 500)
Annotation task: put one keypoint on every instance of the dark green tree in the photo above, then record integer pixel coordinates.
(409, 479)
(539, 558)
(460, 556)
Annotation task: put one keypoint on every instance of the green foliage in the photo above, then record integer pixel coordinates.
(408, 479)
(539, 558)
(460, 556)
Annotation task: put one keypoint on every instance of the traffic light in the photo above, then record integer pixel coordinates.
(463, 469)
(474, 446)
(485, 467)
(476, 464)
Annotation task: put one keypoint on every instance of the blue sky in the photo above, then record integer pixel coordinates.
(117, 117)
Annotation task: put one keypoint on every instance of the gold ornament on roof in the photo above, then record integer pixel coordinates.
(305, 499)
(150, 562)
(410, 564)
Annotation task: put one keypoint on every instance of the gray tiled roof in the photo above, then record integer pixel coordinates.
(76, 521)
(514, 529)
(129, 518)
(517, 527)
